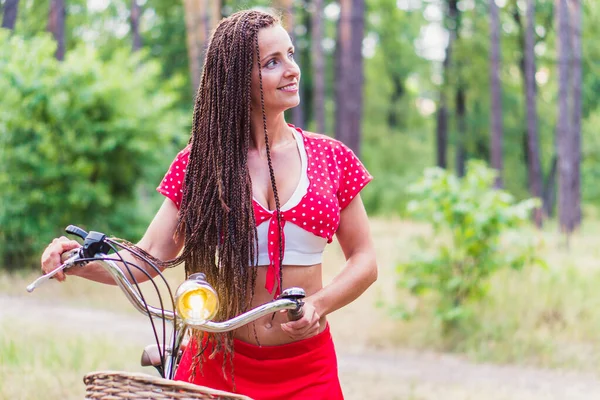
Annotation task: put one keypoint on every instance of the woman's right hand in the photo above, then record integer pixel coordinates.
(51, 256)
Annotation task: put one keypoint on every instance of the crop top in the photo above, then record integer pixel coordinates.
(331, 177)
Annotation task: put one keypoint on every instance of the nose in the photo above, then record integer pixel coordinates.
(292, 69)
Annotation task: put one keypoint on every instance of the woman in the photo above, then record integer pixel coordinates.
(251, 202)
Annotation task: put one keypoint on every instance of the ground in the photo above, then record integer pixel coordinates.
(365, 371)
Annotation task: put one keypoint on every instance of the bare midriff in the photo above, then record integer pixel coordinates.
(268, 328)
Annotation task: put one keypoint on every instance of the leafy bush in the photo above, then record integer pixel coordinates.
(77, 138)
(469, 219)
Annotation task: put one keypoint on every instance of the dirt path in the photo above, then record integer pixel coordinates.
(398, 374)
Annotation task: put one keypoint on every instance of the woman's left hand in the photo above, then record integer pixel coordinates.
(305, 327)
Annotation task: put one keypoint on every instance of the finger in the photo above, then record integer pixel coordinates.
(300, 325)
(292, 333)
(297, 335)
(308, 319)
(297, 330)
(69, 245)
(51, 258)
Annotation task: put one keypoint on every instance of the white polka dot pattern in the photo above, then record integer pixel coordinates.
(172, 184)
(335, 175)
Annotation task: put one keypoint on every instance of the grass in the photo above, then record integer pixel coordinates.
(45, 362)
(537, 317)
(540, 317)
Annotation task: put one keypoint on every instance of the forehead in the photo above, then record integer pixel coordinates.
(272, 39)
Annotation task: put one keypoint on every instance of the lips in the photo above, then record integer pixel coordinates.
(292, 87)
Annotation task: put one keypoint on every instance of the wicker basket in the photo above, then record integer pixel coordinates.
(117, 385)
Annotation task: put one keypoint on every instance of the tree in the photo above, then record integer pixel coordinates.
(451, 20)
(562, 123)
(134, 22)
(442, 108)
(215, 13)
(287, 9)
(196, 24)
(56, 25)
(460, 94)
(349, 73)
(461, 127)
(9, 18)
(534, 169)
(496, 93)
(576, 80)
(569, 114)
(534, 164)
(318, 64)
(530, 136)
(79, 137)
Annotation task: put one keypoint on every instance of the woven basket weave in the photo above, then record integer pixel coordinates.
(117, 385)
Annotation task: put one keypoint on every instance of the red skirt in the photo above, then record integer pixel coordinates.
(306, 369)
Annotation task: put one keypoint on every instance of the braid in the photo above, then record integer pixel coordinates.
(216, 217)
(271, 172)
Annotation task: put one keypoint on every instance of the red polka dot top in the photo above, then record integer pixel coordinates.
(335, 176)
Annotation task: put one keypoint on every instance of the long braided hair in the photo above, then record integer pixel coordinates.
(216, 216)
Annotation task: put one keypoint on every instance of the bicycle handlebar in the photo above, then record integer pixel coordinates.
(96, 247)
(290, 299)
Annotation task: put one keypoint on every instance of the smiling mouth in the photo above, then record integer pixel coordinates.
(292, 87)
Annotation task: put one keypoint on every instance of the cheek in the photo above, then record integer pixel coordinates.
(270, 81)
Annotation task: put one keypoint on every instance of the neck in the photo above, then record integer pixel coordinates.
(277, 130)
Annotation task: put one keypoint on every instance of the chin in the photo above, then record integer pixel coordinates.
(293, 103)
(284, 106)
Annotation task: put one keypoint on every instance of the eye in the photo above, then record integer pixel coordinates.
(271, 63)
(291, 55)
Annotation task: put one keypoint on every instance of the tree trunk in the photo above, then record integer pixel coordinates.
(566, 149)
(531, 154)
(398, 91)
(349, 73)
(461, 132)
(196, 27)
(576, 21)
(286, 8)
(9, 18)
(134, 22)
(534, 168)
(318, 64)
(496, 93)
(215, 14)
(550, 188)
(460, 95)
(442, 113)
(298, 111)
(442, 130)
(56, 25)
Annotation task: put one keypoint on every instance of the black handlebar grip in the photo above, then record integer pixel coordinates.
(296, 313)
(77, 231)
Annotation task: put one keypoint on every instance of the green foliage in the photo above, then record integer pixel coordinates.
(470, 219)
(76, 139)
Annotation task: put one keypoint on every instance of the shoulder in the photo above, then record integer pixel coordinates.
(317, 137)
(182, 156)
(325, 143)
(185, 152)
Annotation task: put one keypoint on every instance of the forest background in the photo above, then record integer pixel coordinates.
(407, 84)
(96, 98)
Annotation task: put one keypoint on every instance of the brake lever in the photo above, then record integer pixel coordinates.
(73, 256)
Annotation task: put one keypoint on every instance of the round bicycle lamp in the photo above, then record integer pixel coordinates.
(196, 300)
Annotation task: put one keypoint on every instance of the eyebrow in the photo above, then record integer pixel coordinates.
(275, 53)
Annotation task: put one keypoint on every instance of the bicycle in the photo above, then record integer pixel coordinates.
(194, 305)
